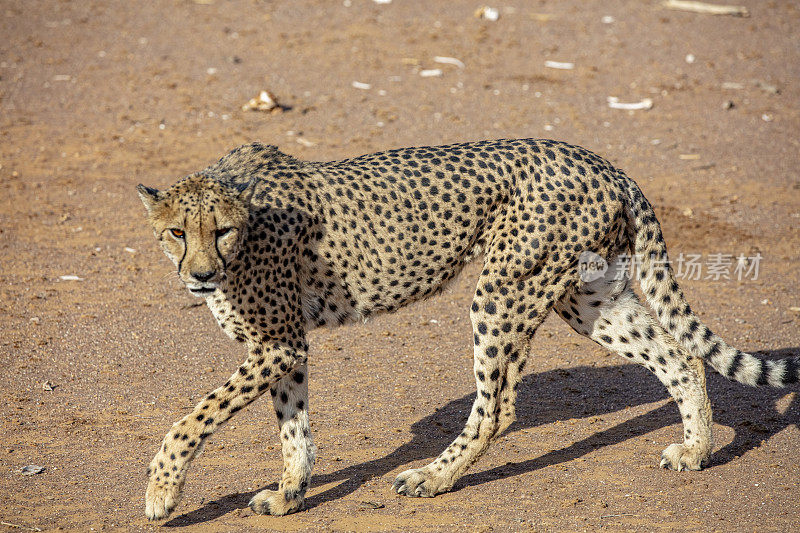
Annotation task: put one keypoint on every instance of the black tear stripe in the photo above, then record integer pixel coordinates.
(185, 248)
(182, 258)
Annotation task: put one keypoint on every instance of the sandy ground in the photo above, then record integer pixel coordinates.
(96, 97)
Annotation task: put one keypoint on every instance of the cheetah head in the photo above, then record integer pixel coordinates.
(200, 224)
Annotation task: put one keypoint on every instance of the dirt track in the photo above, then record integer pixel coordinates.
(96, 97)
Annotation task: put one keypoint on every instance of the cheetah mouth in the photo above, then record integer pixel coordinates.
(203, 290)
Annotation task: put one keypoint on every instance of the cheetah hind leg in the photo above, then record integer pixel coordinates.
(501, 341)
(607, 311)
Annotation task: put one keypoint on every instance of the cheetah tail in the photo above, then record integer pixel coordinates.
(666, 297)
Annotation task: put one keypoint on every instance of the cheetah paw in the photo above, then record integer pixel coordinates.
(420, 482)
(680, 457)
(275, 502)
(160, 499)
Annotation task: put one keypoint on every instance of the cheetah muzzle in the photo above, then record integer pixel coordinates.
(279, 246)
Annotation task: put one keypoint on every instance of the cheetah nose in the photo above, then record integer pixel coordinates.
(203, 276)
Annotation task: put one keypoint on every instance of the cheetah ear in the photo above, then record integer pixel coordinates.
(149, 196)
(245, 191)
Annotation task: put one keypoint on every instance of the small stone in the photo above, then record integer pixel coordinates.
(488, 13)
(431, 73)
(265, 101)
(31, 470)
(371, 505)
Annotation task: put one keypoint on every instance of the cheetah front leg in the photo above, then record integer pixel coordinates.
(290, 399)
(264, 366)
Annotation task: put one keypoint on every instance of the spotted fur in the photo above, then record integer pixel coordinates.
(279, 246)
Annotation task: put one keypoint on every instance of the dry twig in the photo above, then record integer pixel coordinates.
(18, 526)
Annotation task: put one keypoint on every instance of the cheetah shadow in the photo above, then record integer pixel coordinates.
(544, 398)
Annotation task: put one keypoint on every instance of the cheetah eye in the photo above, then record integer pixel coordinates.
(177, 233)
(221, 232)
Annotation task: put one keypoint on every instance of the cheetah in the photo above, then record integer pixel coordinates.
(278, 246)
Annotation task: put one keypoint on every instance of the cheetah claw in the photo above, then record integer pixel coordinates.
(418, 483)
(160, 500)
(272, 502)
(679, 457)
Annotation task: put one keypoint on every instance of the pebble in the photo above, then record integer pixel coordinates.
(430, 73)
(31, 470)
